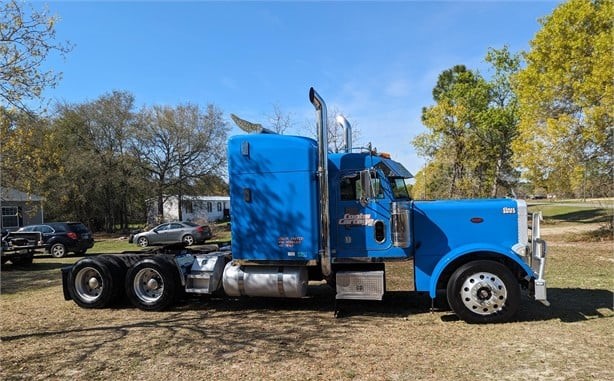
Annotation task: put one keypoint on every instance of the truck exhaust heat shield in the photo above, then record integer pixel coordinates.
(400, 224)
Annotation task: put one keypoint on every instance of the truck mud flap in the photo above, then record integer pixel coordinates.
(65, 274)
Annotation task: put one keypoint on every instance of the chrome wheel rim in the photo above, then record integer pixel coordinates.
(483, 293)
(143, 242)
(188, 239)
(148, 285)
(57, 251)
(89, 284)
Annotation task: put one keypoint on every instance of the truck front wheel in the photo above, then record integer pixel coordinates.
(151, 284)
(483, 292)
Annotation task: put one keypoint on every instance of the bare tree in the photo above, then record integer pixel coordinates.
(179, 145)
(336, 134)
(279, 121)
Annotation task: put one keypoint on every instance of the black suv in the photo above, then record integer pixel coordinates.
(60, 238)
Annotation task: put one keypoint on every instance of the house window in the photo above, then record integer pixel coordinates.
(10, 217)
(219, 206)
(209, 207)
(187, 206)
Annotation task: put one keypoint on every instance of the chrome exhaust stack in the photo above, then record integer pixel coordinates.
(321, 123)
(347, 132)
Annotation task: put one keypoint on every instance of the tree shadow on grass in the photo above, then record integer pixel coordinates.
(569, 305)
(588, 216)
(26, 278)
(322, 299)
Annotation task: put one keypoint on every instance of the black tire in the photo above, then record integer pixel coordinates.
(483, 292)
(142, 242)
(119, 269)
(152, 284)
(188, 239)
(57, 250)
(94, 283)
(112, 258)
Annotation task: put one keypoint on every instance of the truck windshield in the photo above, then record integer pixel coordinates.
(399, 188)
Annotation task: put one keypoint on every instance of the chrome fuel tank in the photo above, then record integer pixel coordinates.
(267, 281)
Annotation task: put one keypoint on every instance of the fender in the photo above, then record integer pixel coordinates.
(473, 249)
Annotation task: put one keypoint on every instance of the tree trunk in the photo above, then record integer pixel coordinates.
(160, 216)
(495, 179)
(180, 206)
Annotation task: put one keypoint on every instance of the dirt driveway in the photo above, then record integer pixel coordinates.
(46, 338)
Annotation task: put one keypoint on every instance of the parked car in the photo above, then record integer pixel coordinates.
(173, 232)
(61, 238)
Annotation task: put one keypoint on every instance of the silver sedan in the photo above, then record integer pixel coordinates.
(173, 232)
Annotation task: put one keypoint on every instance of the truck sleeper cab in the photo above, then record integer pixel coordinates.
(300, 213)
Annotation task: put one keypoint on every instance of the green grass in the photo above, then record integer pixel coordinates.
(112, 245)
(600, 218)
(566, 213)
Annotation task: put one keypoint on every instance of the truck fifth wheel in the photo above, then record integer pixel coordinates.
(300, 213)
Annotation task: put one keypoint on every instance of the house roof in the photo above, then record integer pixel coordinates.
(191, 198)
(207, 198)
(11, 194)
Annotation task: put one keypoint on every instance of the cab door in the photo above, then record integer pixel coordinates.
(362, 223)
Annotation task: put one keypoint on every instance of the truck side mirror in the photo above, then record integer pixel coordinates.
(367, 188)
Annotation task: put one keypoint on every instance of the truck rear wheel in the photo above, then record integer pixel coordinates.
(94, 283)
(151, 284)
(483, 292)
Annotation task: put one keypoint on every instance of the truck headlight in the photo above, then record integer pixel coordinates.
(520, 249)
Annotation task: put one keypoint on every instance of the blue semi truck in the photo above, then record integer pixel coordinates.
(301, 213)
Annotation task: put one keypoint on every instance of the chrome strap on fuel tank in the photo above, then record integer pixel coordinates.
(241, 281)
(280, 282)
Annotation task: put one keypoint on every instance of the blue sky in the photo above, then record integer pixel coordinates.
(377, 62)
